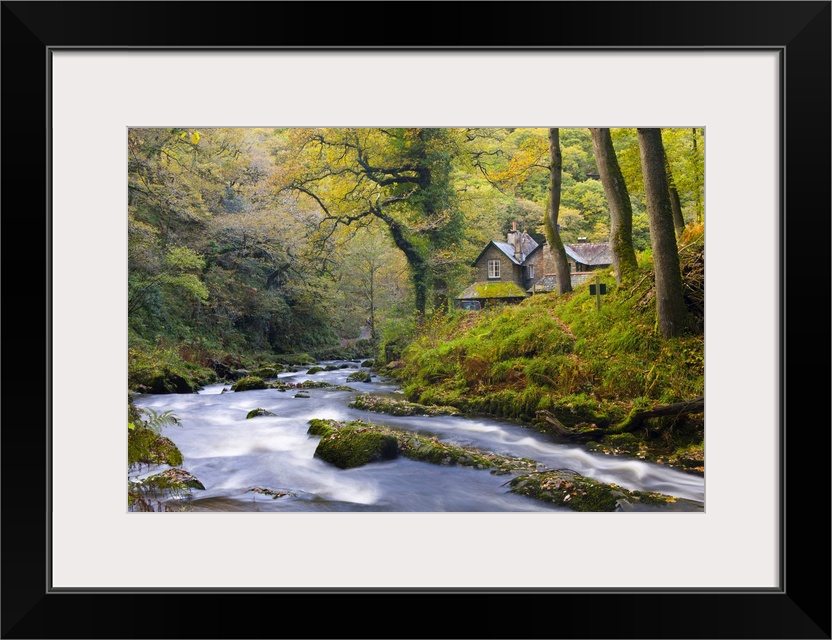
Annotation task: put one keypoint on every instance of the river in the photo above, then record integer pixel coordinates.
(231, 455)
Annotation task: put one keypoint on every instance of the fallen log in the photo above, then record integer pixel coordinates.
(635, 419)
(583, 434)
(554, 422)
(630, 423)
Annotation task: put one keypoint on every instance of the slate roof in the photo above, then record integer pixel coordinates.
(527, 246)
(590, 253)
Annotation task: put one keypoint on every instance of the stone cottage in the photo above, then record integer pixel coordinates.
(510, 271)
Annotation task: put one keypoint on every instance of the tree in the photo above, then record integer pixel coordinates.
(401, 177)
(618, 200)
(215, 256)
(552, 232)
(675, 201)
(372, 280)
(670, 303)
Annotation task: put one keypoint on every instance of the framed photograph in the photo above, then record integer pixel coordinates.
(754, 76)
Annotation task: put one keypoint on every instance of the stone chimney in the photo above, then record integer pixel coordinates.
(515, 240)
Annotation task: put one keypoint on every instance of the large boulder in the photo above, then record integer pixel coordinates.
(352, 445)
(249, 383)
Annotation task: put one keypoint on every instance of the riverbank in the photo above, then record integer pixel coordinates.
(254, 450)
(603, 378)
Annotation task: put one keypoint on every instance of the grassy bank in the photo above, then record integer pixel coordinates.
(561, 356)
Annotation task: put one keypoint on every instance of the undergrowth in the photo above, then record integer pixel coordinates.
(559, 353)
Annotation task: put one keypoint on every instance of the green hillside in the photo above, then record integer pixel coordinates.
(589, 371)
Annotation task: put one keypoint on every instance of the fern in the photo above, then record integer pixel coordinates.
(157, 421)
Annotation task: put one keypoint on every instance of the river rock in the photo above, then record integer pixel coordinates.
(164, 381)
(249, 383)
(258, 412)
(348, 448)
(170, 482)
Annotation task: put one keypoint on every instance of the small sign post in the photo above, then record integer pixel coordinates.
(597, 290)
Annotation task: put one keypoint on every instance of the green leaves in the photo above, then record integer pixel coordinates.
(157, 421)
(184, 259)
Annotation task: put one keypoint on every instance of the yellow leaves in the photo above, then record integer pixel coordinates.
(194, 137)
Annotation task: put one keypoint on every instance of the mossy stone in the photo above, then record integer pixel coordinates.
(254, 413)
(349, 448)
(249, 383)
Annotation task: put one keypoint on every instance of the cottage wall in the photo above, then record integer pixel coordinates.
(536, 260)
(509, 272)
(546, 262)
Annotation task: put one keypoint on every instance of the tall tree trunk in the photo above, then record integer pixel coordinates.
(698, 180)
(419, 267)
(553, 235)
(675, 203)
(670, 303)
(621, 209)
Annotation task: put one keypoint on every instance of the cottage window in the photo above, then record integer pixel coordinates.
(531, 271)
(493, 268)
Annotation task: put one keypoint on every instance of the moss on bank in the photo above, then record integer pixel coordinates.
(559, 354)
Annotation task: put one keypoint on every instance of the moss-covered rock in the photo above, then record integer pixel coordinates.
(578, 493)
(270, 371)
(394, 407)
(320, 384)
(438, 452)
(340, 444)
(360, 376)
(350, 447)
(368, 363)
(314, 370)
(254, 413)
(163, 381)
(174, 483)
(249, 383)
(319, 427)
(144, 446)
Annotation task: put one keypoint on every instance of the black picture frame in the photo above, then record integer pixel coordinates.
(800, 608)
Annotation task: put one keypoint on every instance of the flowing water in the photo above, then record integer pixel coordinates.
(230, 455)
